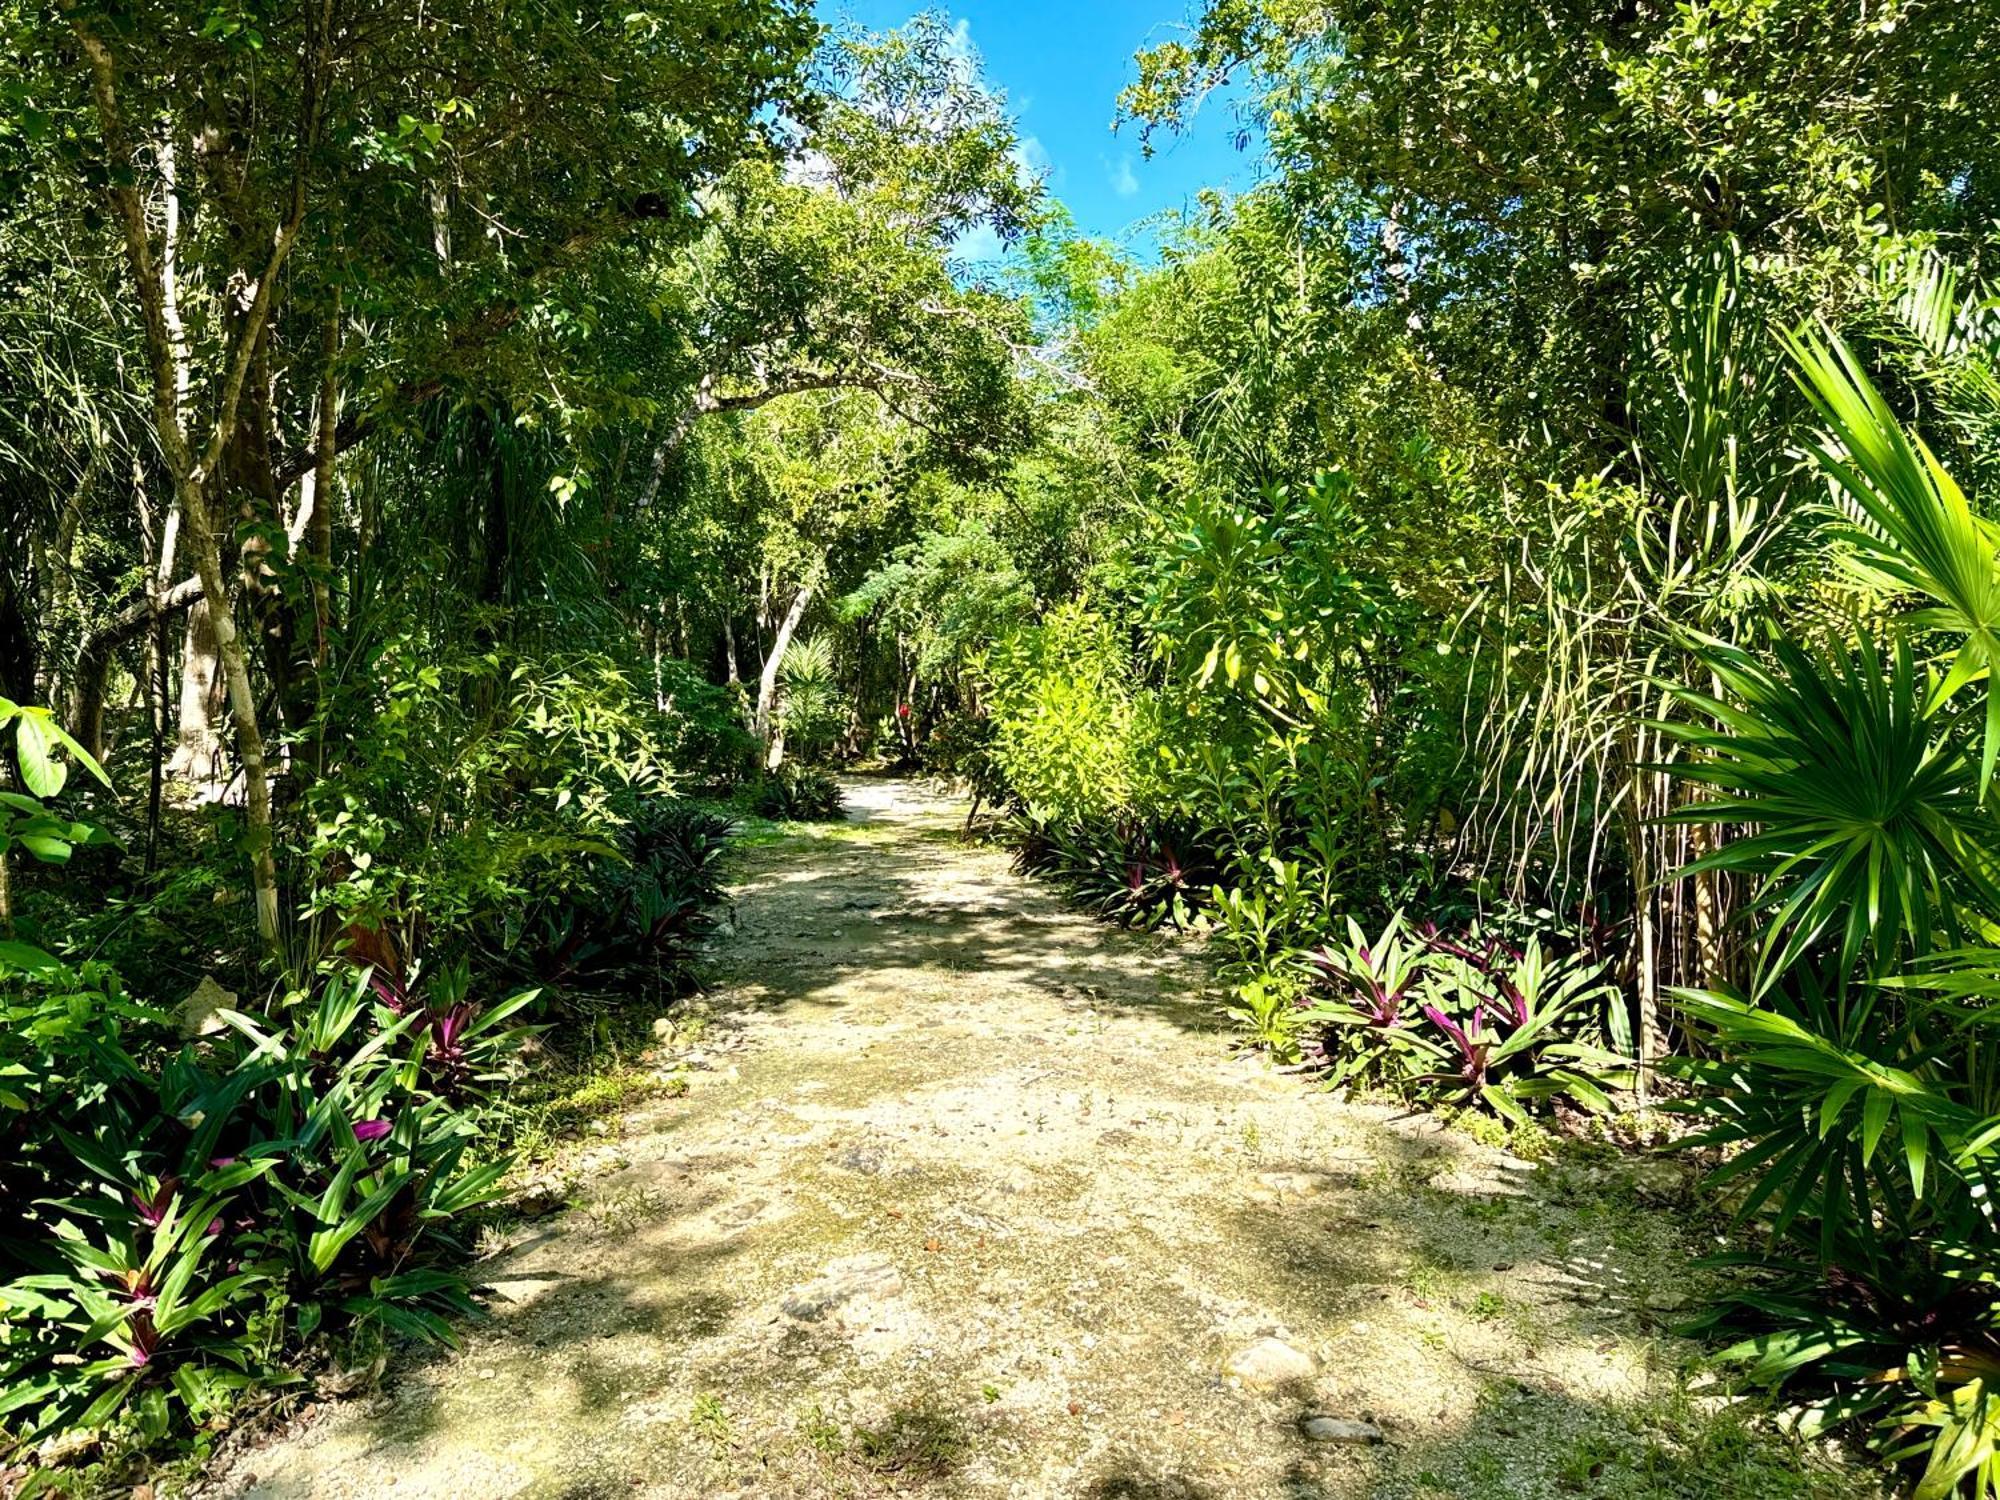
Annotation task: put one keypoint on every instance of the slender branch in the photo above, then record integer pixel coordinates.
(124, 191)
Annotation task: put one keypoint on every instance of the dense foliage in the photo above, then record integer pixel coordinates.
(1532, 561)
(1516, 584)
(440, 448)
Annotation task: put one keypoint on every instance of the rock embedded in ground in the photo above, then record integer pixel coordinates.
(1657, 1178)
(1268, 1364)
(854, 1279)
(1340, 1430)
(866, 1160)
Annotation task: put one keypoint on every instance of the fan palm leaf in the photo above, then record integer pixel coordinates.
(1864, 826)
(1910, 526)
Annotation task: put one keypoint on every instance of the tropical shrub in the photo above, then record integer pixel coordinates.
(799, 794)
(1848, 1085)
(467, 788)
(1238, 760)
(811, 710)
(1134, 871)
(182, 1214)
(636, 923)
(1069, 727)
(41, 750)
(702, 733)
(1464, 1022)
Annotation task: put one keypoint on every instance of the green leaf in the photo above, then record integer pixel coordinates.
(45, 847)
(1874, 1117)
(34, 749)
(25, 958)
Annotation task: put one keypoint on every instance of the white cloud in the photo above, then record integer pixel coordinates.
(979, 243)
(1031, 160)
(961, 49)
(1124, 181)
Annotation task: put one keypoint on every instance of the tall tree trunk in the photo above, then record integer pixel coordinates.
(319, 530)
(194, 463)
(764, 723)
(198, 749)
(243, 708)
(162, 536)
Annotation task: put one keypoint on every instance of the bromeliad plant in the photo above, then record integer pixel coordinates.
(181, 1214)
(1367, 1002)
(1135, 871)
(632, 921)
(1519, 1028)
(799, 794)
(1464, 1022)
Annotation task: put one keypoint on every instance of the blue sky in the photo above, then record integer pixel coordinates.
(1061, 64)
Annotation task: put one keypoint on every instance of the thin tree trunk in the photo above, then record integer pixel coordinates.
(94, 657)
(243, 708)
(6, 869)
(675, 435)
(650, 643)
(166, 530)
(192, 465)
(1710, 911)
(767, 680)
(198, 752)
(320, 531)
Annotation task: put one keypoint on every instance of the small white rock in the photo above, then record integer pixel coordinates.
(1340, 1430)
(1269, 1363)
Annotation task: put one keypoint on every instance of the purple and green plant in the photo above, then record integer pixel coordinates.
(1513, 1027)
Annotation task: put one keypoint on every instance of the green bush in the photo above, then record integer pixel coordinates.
(799, 794)
(635, 924)
(1069, 725)
(812, 709)
(1456, 1022)
(466, 789)
(1134, 871)
(181, 1215)
(702, 733)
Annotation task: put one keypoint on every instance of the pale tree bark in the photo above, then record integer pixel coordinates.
(676, 434)
(162, 539)
(1395, 252)
(1711, 912)
(199, 751)
(95, 655)
(764, 722)
(319, 529)
(192, 464)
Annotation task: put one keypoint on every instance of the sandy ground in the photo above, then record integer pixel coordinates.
(969, 1198)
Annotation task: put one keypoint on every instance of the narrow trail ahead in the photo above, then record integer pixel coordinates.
(968, 1198)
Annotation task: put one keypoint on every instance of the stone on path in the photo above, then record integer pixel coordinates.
(1268, 1364)
(858, 1278)
(1340, 1430)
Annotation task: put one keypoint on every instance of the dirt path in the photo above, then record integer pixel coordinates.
(968, 1199)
